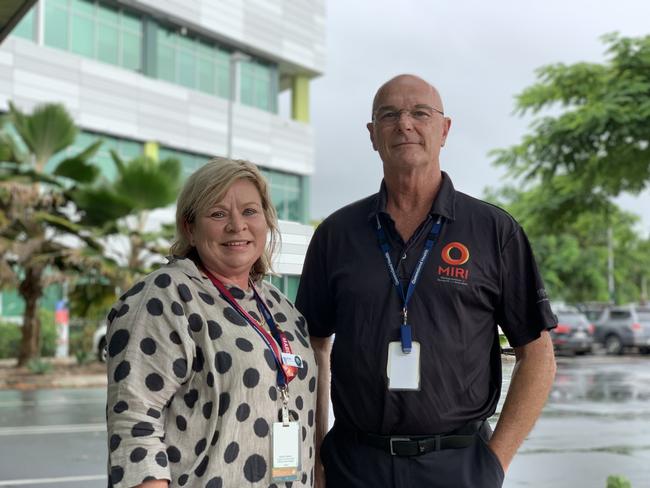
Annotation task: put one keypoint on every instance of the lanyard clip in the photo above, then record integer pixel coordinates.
(405, 316)
(284, 394)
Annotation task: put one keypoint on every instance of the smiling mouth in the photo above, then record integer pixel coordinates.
(236, 243)
(407, 144)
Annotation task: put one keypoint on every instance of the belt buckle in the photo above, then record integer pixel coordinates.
(398, 439)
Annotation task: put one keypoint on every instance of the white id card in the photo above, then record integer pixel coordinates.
(286, 452)
(403, 370)
(291, 360)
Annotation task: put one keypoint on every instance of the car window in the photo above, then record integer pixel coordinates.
(620, 314)
(571, 318)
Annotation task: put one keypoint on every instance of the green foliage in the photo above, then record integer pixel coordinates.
(592, 144)
(616, 481)
(48, 130)
(38, 366)
(10, 335)
(600, 137)
(572, 253)
(9, 340)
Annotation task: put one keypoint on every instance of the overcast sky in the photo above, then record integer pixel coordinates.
(479, 54)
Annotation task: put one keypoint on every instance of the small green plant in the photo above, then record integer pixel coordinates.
(616, 481)
(82, 357)
(38, 366)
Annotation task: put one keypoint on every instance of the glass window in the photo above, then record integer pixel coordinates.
(186, 63)
(257, 87)
(292, 287)
(131, 51)
(107, 43)
(82, 35)
(222, 63)
(95, 30)
(25, 27)
(56, 24)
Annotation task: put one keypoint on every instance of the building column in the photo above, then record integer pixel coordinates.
(151, 150)
(300, 98)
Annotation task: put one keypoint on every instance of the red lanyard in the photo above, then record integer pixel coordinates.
(286, 373)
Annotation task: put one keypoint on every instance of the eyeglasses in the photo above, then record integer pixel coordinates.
(391, 115)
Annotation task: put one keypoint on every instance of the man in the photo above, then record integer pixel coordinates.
(414, 281)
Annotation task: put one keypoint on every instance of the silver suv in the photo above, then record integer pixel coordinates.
(624, 326)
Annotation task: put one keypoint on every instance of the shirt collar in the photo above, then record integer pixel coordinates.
(443, 204)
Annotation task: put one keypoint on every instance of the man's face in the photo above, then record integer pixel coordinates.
(408, 128)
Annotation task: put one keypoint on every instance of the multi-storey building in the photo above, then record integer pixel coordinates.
(184, 78)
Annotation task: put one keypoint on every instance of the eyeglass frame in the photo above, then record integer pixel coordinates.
(410, 111)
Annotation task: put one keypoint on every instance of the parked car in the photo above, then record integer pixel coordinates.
(573, 334)
(624, 326)
(99, 343)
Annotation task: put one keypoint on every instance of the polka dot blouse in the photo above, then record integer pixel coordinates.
(192, 388)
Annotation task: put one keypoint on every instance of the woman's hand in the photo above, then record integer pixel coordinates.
(154, 484)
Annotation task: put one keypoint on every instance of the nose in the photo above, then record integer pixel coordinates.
(405, 122)
(236, 223)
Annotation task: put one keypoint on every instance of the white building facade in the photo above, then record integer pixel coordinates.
(190, 79)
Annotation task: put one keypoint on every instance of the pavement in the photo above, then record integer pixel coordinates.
(63, 373)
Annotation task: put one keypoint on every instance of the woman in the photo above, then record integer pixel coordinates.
(205, 358)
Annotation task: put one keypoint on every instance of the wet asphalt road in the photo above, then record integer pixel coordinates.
(596, 423)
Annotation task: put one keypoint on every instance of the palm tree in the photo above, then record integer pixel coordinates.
(39, 230)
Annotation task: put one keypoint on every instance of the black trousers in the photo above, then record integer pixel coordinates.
(350, 464)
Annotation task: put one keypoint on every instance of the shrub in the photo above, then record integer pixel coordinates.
(10, 335)
(615, 481)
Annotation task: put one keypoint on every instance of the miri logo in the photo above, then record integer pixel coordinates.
(455, 255)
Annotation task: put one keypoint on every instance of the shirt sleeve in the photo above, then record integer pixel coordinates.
(149, 354)
(524, 309)
(314, 295)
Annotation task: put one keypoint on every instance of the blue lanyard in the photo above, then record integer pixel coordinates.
(405, 329)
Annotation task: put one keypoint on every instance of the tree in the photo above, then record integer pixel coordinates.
(38, 229)
(69, 219)
(572, 253)
(599, 137)
(134, 244)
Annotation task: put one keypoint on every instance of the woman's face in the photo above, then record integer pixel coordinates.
(231, 235)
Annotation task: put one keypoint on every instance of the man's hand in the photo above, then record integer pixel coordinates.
(531, 382)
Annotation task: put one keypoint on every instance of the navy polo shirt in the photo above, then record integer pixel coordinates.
(481, 273)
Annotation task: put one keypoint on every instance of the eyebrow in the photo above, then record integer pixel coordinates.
(393, 107)
(218, 205)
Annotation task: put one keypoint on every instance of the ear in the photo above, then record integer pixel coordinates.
(445, 130)
(188, 231)
(371, 129)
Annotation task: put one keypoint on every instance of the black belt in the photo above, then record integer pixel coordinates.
(418, 445)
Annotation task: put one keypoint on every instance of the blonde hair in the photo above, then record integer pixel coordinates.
(208, 185)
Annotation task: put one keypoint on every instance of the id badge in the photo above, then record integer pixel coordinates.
(285, 452)
(292, 360)
(403, 369)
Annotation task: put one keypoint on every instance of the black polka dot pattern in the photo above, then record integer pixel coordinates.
(155, 307)
(118, 342)
(148, 346)
(163, 280)
(122, 371)
(177, 309)
(206, 298)
(243, 412)
(231, 453)
(214, 330)
(138, 454)
(184, 293)
(222, 362)
(255, 468)
(234, 317)
(202, 381)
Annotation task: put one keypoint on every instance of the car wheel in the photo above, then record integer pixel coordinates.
(613, 344)
(102, 350)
